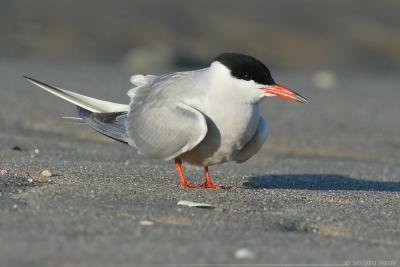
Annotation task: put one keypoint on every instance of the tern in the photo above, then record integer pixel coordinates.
(202, 117)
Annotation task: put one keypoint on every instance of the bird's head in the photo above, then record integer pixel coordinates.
(252, 76)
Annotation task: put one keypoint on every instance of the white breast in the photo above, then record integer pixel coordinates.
(237, 125)
(232, 120)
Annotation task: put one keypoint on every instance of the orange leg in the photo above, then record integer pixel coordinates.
(208, 183)
(185, 184)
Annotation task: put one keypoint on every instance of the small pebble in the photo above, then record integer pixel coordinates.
(46, 173)
(195, 204)
(30, 180)
(36, 151)
(245, 253)
(146, 223)
(3, 172)
(189, 203)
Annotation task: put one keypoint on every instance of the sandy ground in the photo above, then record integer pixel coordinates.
(325, 189)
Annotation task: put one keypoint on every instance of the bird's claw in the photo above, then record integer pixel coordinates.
(189, 185)
(210, 185)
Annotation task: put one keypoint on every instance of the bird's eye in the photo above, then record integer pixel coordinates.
(246, 76)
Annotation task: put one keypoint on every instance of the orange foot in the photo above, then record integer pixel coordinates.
(207, 179)
(208, 183)
(184, 182)
(212, 185)
(190, 185)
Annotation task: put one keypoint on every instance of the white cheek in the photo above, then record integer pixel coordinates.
(249, 91)
(245, 84)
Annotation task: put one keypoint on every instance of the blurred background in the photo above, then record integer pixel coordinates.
(330, 168)
(344, 56)
(152, 36)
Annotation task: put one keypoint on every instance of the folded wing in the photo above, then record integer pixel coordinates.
(165, 132)
(159, 124)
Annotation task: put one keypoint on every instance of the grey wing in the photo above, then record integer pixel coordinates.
(159, 124)
(255, 143)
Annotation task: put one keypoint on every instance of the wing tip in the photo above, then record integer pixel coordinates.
(32, 80)
(27, 77)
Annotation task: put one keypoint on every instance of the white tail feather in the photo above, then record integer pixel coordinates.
(89, 103)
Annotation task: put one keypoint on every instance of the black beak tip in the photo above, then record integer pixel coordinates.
(301, 99)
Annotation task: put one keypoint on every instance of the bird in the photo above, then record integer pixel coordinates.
(199, 117)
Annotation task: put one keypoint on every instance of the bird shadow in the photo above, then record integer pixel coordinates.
(318, 182)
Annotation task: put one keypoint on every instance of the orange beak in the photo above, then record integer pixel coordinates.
(284, 92)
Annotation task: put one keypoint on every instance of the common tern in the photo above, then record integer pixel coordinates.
(202, 117)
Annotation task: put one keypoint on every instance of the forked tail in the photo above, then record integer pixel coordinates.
(111, 124)
(107, 118)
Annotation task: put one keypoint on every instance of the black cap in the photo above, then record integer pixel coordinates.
(246, 68)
